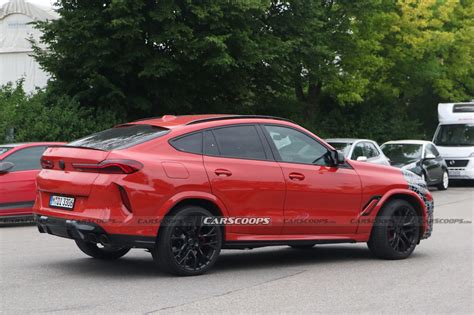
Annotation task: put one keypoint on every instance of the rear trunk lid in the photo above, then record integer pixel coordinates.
(61, 177)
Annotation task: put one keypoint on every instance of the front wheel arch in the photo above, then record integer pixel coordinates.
(412, 200)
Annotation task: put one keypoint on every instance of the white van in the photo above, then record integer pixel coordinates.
(454, 138)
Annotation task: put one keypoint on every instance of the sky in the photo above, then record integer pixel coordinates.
(40, 2)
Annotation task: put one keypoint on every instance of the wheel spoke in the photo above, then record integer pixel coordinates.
(193, 244)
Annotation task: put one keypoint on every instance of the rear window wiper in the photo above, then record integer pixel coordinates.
(74, 147)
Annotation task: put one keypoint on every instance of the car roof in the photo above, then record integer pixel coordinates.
(171, 121)
(409, 142)
(347, 140)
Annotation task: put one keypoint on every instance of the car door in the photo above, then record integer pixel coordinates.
(433, 166)
(321, 199)
(17, 186)
(244, 176)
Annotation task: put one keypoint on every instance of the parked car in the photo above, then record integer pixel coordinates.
(185, 187)
(455, 138)
(420, 157)
(19, 166)
(360, 150)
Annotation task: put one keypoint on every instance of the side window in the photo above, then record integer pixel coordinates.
(210, 144)
(191, 143)
(239, 142)
(371, 150)
(430, 149)
(297, 147)
(358, 151)
(26, 159)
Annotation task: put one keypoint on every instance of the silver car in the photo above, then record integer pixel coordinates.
(360, 150)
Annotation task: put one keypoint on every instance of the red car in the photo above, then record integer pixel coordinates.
(19, 166)
(186, 187)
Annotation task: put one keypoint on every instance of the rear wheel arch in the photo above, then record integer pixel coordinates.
(199, 202)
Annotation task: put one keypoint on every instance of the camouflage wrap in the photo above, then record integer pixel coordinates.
(418, 185)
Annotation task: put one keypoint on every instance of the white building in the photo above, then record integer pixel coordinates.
(15, 49)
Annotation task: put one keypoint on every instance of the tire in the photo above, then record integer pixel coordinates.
(308, 246)
(444, 183)
(104, 253)
(186, 247)
(396, 231)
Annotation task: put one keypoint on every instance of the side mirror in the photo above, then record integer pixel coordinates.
(337, 157)
(430, 156)
(5, 167)
(362, 158)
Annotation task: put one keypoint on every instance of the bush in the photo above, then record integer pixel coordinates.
(39, 117)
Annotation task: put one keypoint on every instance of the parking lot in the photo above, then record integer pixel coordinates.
(41, 273)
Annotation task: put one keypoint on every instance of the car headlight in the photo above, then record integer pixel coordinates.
(413, 179)
(409, 166)
(472, 154)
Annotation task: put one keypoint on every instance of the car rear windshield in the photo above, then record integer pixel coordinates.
(4, 149)
(402, 153)
(120, 137)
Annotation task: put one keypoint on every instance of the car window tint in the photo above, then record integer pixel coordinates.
(371, 150)
(191, 143)
(430, 149)
(435, 151)
(26, 159)
(358, 151)
(210, 144)
(345, 147)
(120, 137)
(239, 142)
(295, 146)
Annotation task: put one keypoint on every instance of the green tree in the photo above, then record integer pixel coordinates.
(309, 60)
(32, 117)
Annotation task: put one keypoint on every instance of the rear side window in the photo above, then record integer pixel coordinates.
(191, 143)
(26, 159)
(239, 142)
(120, 137)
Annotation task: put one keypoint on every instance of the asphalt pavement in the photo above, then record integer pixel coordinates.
(42, 274)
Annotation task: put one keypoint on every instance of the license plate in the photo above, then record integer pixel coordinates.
(455, 173)
(61, 202)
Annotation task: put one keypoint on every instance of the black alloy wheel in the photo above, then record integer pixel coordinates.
(403, 229)
(396, 231)
(186, 246)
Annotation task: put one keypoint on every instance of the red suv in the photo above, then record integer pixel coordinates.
(19, 166)
(185, 187)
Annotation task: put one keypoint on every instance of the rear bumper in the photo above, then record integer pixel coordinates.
(91, 232)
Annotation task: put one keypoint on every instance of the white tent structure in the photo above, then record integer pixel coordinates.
(15, 49)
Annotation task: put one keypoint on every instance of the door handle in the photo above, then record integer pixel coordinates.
(222, 172)
(296, 176)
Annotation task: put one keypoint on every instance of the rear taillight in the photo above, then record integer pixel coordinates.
(47, 164)
(110, 167)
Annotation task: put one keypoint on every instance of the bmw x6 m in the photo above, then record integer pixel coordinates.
(185, 187)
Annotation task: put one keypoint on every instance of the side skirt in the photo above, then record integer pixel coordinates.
(257, 244)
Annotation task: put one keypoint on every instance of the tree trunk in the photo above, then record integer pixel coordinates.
(314, 90)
